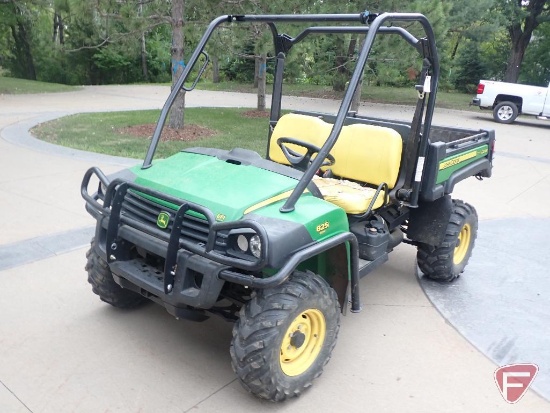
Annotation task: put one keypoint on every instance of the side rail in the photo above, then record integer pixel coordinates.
(93, 204)
(448, 163)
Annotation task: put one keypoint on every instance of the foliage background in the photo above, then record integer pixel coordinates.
(128, 41)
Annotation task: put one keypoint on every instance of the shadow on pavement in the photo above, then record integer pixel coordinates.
(501, 303)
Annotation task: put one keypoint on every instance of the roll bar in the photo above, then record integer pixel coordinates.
(366, 23)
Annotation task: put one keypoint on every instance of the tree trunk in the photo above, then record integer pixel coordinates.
(176, 113)
(256, 70)
(215, 69)
(61, 31)
(55, 26)
(520, 41)
(23, 51)
(520, 35)
(339, 79)
(262, 64)
(356, 101)
(455, 47)
(144, 68)
(342, 72)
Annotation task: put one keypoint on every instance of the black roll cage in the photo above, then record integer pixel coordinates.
(366, 23)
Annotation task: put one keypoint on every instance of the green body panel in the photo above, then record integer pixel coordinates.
(314, 214)
(224, 188)
(322, 219)
(232, 191)
(453, 163)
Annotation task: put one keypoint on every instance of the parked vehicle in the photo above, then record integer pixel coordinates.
(509, 100)
(278, 245)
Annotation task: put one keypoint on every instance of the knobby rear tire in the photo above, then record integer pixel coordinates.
(446, 261)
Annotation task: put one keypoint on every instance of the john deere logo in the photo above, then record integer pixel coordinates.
(163, 219)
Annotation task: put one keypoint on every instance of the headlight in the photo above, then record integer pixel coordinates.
(256, 246)
(242, 243)
(245, 243)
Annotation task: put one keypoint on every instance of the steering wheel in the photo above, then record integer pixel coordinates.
(298, 160)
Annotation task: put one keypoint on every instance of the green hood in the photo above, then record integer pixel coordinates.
(225, 188)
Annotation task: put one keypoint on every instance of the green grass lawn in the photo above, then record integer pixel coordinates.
(379, 94)
(100, 132)
(13, 86)
(103, 132)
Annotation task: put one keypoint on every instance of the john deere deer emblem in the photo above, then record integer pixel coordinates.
(163, 219)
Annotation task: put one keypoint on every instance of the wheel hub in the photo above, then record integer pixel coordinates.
(302, 342)
(297, 340)
(505, 112)
(462, 245)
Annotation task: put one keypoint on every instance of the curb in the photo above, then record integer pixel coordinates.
(19, 134)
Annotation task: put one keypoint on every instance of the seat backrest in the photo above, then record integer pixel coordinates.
(302, 127)
(364, 153)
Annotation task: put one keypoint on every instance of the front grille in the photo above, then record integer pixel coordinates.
(145, 211)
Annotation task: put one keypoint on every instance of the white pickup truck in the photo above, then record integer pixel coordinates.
(508, 100)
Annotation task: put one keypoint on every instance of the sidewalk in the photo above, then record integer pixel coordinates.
(62, 350)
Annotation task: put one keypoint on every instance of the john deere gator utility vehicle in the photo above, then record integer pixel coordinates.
(278, 244)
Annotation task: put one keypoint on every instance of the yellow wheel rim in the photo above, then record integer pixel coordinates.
(302, 342)
(464, 238)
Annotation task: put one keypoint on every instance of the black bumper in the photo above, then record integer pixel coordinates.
(196, 281)
(177, 265)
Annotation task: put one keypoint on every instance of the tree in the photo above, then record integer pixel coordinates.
(119, 41)
(19, 17)
(177, 111)
(536, 69)
(524, 17)
(469, 19)
(470, 68)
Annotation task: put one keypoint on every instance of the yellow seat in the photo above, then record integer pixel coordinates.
(350, 196)
(364, 153)
(306, 128)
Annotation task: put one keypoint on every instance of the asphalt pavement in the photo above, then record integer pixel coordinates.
(416, 346)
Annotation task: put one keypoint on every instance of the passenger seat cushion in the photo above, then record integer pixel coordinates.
(350, 196)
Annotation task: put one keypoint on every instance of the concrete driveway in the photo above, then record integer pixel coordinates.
(62, 350)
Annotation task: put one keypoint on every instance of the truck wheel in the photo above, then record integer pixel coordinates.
(505, 112)
(446, 261)
(285, 336)
(103, 284)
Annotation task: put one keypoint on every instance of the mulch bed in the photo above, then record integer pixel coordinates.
(188, 134)
(256, 114)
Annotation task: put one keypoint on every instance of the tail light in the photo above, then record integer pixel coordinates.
(480, 88)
